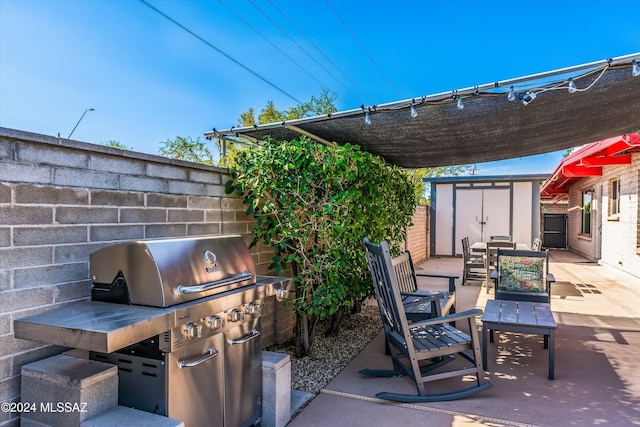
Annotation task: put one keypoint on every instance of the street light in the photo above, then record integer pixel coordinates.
(81, 117)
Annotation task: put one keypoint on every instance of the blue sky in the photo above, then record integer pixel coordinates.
(150, 80)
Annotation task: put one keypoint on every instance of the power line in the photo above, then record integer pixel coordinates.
(220, 51)
(322, 53)
(363, 49)
(275, 24)
(270, 42)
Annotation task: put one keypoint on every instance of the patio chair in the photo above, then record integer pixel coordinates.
(523, 276)
(500, 238)
(420, 304)
(419, 348)
(473, 265)
(491, 257)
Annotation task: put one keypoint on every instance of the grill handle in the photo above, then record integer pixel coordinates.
(207, 286)
(254, 333)
(211, 353)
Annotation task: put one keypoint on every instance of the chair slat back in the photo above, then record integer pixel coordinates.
(466, 251)
(405, 272)
(386, 288)
(492, 251)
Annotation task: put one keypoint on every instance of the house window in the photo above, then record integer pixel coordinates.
(587, 196)
(614, 197)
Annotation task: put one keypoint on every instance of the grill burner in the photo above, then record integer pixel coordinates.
(181, 319)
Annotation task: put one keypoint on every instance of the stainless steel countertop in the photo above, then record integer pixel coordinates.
(107, 327)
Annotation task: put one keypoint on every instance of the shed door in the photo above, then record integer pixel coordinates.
(481, 213)
(497, 213)
(468, 217)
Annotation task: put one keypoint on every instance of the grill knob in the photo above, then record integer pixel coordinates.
(236, 315)
(215, 322)
(193, 331)
(253, 308)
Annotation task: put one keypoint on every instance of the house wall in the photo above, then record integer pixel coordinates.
(620, 234)
(60, 200)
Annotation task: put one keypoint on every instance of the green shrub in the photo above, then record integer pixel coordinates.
(314, 204)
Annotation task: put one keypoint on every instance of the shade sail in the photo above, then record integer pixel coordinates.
(489, 127)
(589, 161)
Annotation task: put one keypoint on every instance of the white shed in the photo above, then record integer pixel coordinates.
(482, 206)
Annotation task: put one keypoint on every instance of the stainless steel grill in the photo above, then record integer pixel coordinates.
(181, 319)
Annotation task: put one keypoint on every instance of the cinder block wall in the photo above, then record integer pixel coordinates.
(60, 200)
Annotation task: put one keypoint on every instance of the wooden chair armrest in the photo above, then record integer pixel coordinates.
(452, 279)
(446, 319)
(550, 278)
(423, 297)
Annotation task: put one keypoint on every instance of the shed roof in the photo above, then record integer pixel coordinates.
(544, 117)
(589, 161)
(487, 178)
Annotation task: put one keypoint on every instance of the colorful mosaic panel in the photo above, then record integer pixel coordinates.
(521, 274)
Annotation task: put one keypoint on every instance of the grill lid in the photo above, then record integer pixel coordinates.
(162, 273)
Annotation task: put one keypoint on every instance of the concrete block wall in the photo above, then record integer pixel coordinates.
(60, 200)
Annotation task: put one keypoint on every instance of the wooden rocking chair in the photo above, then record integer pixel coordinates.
(419, 348)
(420, 304)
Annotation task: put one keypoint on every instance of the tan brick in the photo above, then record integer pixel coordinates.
(28, 236)
(78, 215)
(11, 258)
(199, 202)
(142, 215)
(50, 195)
(16, 300)
(186, 215)
(5, 193)
(167, 201)
(12, 215)
(116, 198)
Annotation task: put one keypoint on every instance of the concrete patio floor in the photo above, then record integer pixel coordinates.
(597, 369)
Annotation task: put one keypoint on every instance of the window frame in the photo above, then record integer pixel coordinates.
(585, 223)
(614, 198)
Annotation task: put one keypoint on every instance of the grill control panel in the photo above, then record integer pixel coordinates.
(204, 327)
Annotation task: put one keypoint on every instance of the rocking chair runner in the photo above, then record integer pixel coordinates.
(419, 348)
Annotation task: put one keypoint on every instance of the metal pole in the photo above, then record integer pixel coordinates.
(81, 117)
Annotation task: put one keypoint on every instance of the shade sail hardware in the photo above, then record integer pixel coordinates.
(490, 127)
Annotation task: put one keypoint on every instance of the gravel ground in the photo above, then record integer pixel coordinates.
(330, 355)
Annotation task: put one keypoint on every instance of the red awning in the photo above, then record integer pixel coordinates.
(588, 161)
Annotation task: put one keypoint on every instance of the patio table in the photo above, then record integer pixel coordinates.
(519, 316)
(482, 247)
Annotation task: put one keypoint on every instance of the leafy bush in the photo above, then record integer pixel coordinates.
(314, 204)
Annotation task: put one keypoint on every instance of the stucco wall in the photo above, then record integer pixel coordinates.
(620, 235)
(60, 200)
